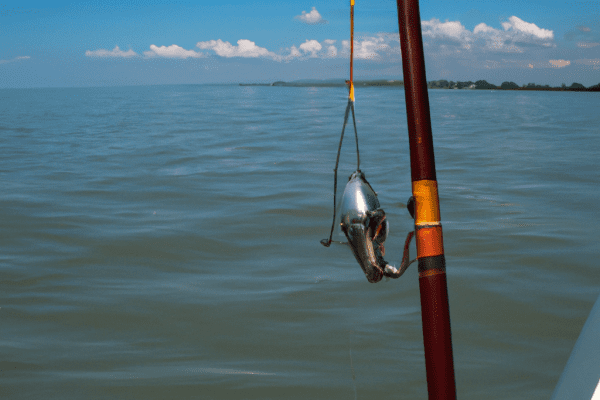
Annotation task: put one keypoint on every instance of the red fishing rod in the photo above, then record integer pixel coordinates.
(425, 208)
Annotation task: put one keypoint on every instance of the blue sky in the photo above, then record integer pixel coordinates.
(100, 43)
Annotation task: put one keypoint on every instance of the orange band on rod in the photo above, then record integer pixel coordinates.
(427, 206)
(429, 242)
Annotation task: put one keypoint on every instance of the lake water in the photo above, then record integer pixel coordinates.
(163, 242)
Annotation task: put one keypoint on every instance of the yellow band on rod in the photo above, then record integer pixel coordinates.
(427, 207)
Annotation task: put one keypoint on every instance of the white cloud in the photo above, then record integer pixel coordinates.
(116, 52)
(373, 47)
(527, 28)
(536, 63)
(15, 59)
(449, 29)
(294, 52)
(453, 37)
(483, 28)
(312, 47)
(172, 51)
(369, 48)
(559, 63)
(245, 48)
(311, 18)
(345, 47)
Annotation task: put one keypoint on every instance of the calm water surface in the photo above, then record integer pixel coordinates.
(163, 242)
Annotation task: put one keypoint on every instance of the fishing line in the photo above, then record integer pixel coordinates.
(352, 366)
(350, 106)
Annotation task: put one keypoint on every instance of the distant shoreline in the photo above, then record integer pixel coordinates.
(443, 84)
(337, 83)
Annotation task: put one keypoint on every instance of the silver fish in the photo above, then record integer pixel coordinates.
(364, 224)
(366, 228)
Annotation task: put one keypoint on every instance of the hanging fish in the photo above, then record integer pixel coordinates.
(364, 223)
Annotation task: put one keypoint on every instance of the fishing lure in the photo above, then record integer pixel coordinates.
(363, 221)
(364, 224)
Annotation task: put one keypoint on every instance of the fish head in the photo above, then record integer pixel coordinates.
(364, 223)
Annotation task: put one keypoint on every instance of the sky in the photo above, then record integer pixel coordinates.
(137, 42)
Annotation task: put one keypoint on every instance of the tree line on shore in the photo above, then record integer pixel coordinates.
(441, 84)
(482, 84)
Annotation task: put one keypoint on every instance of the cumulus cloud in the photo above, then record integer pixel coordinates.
(312, 47)
(345, 47)
(245, 48)
(373, 47)
(452, 30)
(366, 48)
(518, 25)
(294, 52)
(172, 51)
(583, 28)
(452, 36)
(559, 63)
(311, 18)
(369, 47)
(114, 53)
(482, 28)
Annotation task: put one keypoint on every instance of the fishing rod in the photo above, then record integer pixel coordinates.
(364, 222)
(437, 338)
